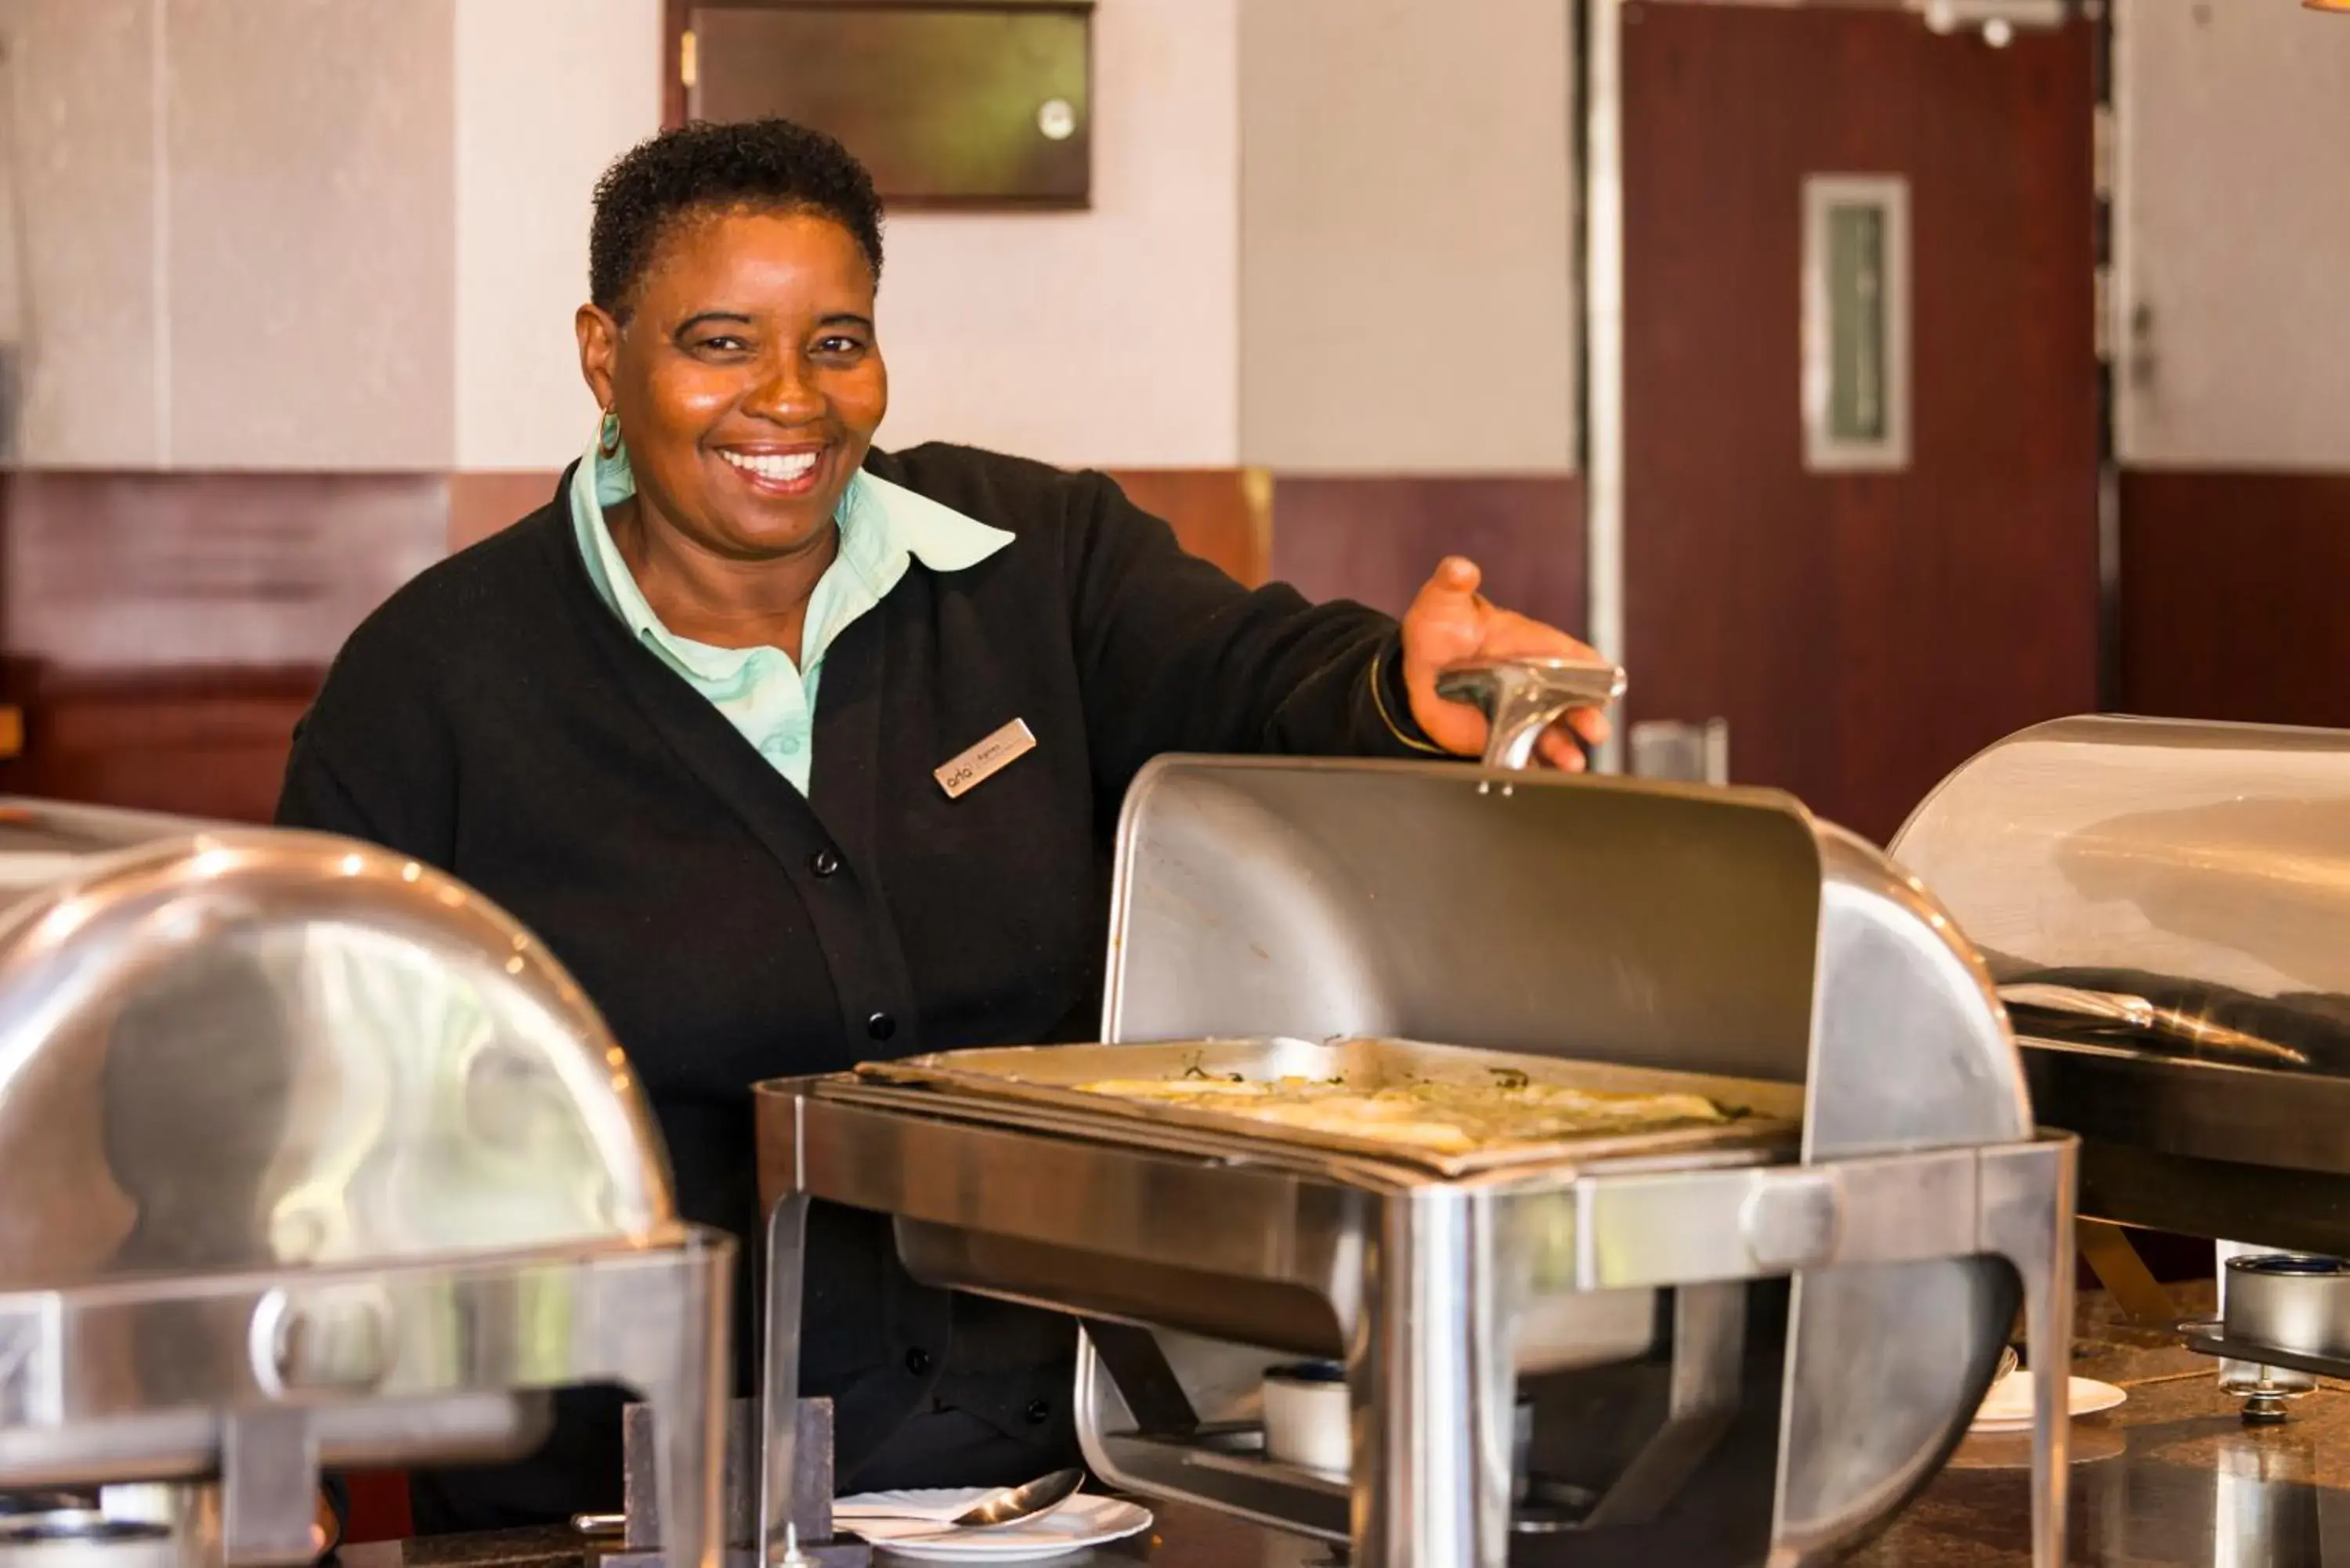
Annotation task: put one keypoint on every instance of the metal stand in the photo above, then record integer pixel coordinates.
(2267, 1402)
(1427, 1288)
(811, 1491)
(274, 1374)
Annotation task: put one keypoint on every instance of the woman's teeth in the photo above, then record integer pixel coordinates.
(785, 468)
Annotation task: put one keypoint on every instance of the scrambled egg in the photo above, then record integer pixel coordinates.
(1442, 1119)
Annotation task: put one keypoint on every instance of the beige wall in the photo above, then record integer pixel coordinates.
(1108, 337)
(84, 133)
(2235, 219)
(548, 93)
(1407, 286)
(236, 222)
(309, 173)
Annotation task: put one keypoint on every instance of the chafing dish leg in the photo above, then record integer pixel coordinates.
(779, 1544)
(666, 1338)
(1434, 1392)
(2018, 1185)
(269, 1481)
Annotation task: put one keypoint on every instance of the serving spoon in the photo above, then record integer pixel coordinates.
(1008, 1505)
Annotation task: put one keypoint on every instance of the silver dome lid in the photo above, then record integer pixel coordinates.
(245, 1049)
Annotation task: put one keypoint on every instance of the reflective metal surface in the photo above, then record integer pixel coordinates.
(1523, 698)
(309, 1156)
(2165, 906)
(2290, 1301)
(1640, 924)
(1647, 927)
(248, 1049)
(2203, 867)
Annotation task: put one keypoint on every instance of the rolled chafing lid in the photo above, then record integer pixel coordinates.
(2165, 906)
(236, 1049)
(1649, 925)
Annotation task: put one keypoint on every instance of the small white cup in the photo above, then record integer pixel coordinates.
(1307, 1422)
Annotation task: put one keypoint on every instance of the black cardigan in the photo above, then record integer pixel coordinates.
(493, 718)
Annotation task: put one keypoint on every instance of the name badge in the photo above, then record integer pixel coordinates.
(985, 760)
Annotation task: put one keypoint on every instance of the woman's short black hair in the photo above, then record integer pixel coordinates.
(768, 165)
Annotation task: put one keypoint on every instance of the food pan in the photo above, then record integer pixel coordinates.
(1760, 1111)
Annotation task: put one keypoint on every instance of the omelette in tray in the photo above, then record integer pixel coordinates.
(1449, 1109)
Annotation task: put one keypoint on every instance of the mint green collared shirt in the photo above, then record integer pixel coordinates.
(884, 528)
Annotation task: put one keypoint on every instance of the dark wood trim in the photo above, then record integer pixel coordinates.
(209, 742)
(674, 16)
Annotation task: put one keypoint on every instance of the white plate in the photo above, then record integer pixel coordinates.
(1082, 1522)
(2008, 1407)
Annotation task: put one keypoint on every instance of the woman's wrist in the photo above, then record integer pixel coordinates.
(1392, 700)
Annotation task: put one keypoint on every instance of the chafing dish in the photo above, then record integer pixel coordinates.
(2165, 906)
(311, 1157)
(1747, 1346)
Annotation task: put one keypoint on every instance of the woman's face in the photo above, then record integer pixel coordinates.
(747, 377)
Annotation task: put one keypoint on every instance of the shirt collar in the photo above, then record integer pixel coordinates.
(883, 528)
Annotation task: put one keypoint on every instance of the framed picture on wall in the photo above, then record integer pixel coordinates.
(950, 103)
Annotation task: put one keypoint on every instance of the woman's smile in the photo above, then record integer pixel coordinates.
(785, 472)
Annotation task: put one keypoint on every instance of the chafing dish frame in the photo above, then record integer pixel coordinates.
(1351, 1236)
(270, 1367)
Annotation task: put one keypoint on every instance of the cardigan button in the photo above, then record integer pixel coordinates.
(1038, 1412)
(880, 1026)
(917, 1362)
(824, 863)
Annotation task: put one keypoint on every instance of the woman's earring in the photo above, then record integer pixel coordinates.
(607, 435)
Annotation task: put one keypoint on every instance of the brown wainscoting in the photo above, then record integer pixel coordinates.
(1217, 512)
(1376, 540)
(164, 571)
(480, 503)
(163, 631)
(1220, 514)
(197, 742)
(2235, 595)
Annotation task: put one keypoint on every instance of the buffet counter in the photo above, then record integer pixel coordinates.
(2172, 1476)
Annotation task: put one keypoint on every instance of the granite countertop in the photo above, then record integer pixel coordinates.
(2170, 1477)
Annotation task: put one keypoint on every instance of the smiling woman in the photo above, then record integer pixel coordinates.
(798, 752)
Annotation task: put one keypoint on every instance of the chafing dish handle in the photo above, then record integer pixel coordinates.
(2147, 1019)
(1521, 698)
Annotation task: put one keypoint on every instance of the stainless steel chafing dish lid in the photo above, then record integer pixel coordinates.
(2166, 906)
(242, 1049)
(1725, 931)
(2179, 888)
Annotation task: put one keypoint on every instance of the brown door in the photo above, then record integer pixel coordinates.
(1862, 629)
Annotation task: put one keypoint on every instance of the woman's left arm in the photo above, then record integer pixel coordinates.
(1175, 656)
